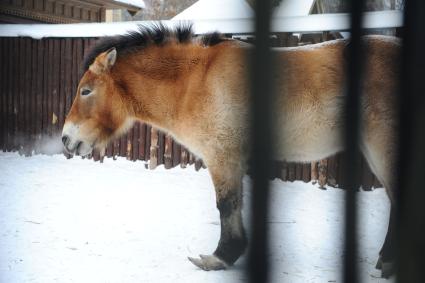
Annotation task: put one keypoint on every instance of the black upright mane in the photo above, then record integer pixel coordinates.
(155, 34)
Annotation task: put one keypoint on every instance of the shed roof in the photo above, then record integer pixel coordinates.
(216, 9)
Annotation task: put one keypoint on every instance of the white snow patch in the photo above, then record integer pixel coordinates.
(291, 8)
(136, 3)
(80, 221)
(216, 9)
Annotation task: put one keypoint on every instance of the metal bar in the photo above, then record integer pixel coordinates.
(410, 190)
(351, 136)
(261, 130)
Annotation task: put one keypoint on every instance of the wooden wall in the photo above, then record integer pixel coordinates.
(38, 80)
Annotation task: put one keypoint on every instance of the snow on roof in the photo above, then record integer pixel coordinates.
(310, 23)
(291, 8)
(240, 9)
(136, 3)
(217, 9)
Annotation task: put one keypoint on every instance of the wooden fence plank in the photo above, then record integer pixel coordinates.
(135, 155)
(62, 85)
(161, 147)
(20, 91)
(67, 80)
(153, 163)
(2, 94)
(15, 90)
(123, 146)
(191, 158)
(77, 64)
(142, 141)
(284, 171)
(116, 148)
(45, 87)
(168, 152)
(33, 94)
(9, 77)
(291, 172)
(49, 91)
(14, 95)
(298, 171)
(332, 171)
(129, 149)
(4, 69)
(148, 142)
(39, 91)
(176, 153)
(314, 171)
(306, 177)
(322, 169)
(7, 80)
(24, 95)
(184, 157)
(56, 87)
(74, 75)
(26, 81)
(109, 150)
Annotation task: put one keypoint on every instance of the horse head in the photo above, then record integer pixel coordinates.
(98, 113)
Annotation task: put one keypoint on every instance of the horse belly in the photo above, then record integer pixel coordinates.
(309, 135)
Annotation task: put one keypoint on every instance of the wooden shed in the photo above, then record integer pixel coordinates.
(59, 12)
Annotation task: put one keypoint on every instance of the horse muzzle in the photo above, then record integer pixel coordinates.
(72, 143)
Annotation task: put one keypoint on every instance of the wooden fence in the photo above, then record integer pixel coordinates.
(38, 81)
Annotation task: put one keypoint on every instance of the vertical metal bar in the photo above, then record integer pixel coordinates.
(351, 135)
(410, 190)
(261, 97)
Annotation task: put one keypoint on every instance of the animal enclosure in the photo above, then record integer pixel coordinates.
(38, 84)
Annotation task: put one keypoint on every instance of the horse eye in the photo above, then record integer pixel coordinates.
(85, 92)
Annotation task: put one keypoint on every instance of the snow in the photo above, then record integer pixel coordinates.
(310, 23)
(137, 3)
(291, 8)
(80, 221)
(216, 9)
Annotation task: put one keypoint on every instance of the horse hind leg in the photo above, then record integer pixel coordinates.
(379, 150)
(228, 186)
(387, 254)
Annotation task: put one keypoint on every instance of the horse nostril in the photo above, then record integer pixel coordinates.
(65, 140)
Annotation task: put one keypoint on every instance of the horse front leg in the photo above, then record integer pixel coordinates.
(228, 186)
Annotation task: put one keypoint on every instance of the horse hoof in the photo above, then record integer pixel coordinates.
(387, 268)
(208, 262)
(379, 264)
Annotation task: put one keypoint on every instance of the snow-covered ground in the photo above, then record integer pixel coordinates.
(80, 221)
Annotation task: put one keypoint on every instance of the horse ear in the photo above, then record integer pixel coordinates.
(104, 61)
(111, 57)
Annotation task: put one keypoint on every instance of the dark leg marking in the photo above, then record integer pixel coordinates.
(387, 254)
(232, 239)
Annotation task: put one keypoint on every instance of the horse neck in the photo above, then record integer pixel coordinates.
(154, 81)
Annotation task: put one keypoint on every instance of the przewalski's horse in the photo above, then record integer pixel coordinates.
(196, 89)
